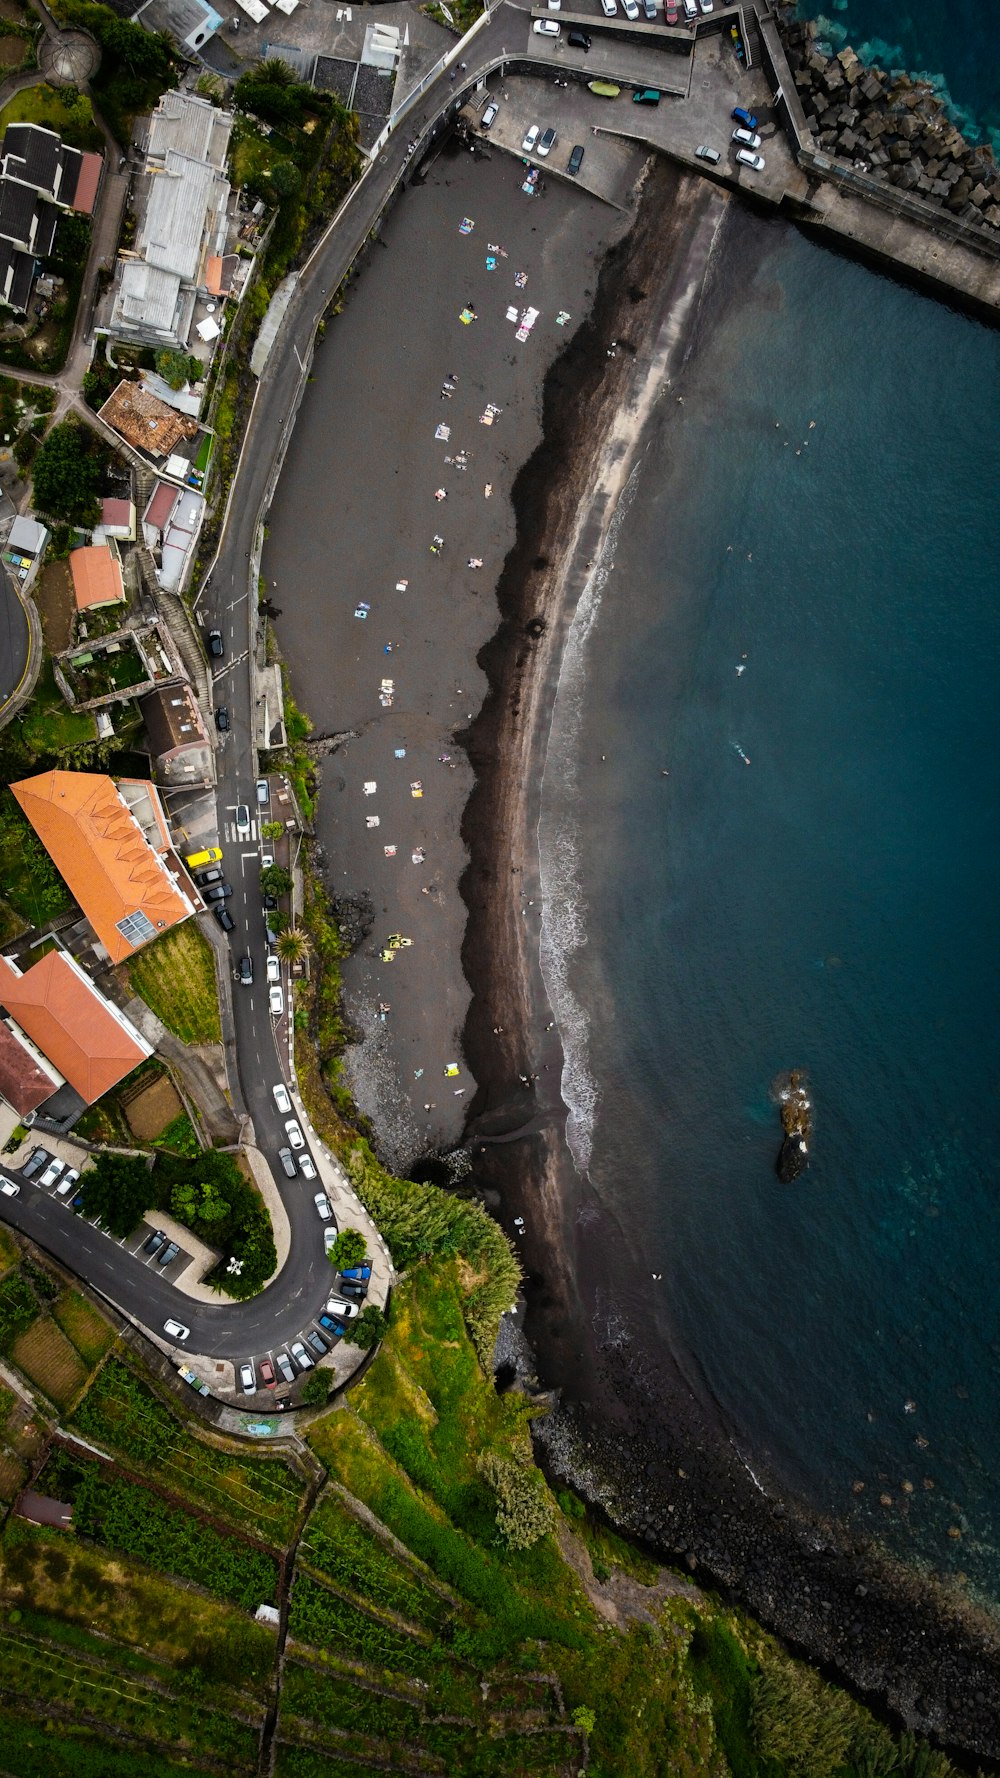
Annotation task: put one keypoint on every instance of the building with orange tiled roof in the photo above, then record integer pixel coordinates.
(130, 889)
(97, 576)
(54, 1012)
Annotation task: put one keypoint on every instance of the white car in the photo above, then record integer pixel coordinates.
(531, 138)
(706, 6)
(242, 822)
(67, 1182)
(546, 28)
(609, 8)
(266, 860)
(9, 1187)
(248, 1378)
(52, 1172)
(176, 1330)
(301, 1356)
(630, 9)
(546, 143)
(322, 1204)
(490, 115)
(747, 138)
(276, 1000)
(329, 1239)
(272, 968)
(307, 1166)
(343, 1311)
(294, 1134)
(263, 791)
(754, 161)
(281, 1099)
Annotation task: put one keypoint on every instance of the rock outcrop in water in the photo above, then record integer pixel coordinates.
(796, 1116)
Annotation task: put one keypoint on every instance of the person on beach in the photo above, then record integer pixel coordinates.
(488, 489)
(440, 493)
(474, 562)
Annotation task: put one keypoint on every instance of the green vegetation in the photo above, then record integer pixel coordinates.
(348, 1250)
(136, 65)
(50, 732)
(275, 881)
(67, 473)
(178, 368)
(84, 1325)
(31, 883)
(62, 109)
(213, 1197)
(175, 976)
(118, 1189)
(369, 1328)
(524, 1512)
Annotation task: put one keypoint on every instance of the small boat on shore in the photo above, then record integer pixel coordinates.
(605, 89)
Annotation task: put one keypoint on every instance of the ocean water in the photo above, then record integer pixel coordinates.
(953, 45)
(820, 511)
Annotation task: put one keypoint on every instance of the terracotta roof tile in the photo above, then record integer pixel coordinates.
(97, 576)
(22, 1082)
(72, 1024)
(102, 854)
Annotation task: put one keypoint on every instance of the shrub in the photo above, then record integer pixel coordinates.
(524, 1511)
(799, 1721)
(348, 1250)
(315, 1391)
(119, 1189)
(67, 472)
(369, 1328)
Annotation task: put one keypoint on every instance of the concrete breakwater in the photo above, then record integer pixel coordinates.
(894, 128)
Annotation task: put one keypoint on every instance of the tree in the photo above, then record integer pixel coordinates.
(524, 1511)
(315, 1391)
(798, 1720)
(177, 368)
(119, 1189)
(292, 946)
(370, 1327)
(193, 1202)
(348, 1250)
(286, 180)
(584, 1718)
(271, 830)
(66, 475)
(275, 881)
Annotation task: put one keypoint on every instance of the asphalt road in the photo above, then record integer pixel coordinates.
(15, 639)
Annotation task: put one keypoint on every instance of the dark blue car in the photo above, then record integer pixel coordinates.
(338, 1328)
(746, 118)
(362, 1273)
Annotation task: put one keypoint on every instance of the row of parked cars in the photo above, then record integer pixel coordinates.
(315, 1342)
(45, 1170)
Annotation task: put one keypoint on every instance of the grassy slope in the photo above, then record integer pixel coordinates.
(176, 978)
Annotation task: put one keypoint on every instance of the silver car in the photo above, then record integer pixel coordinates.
(248, 1378)
(322, 1204)
(301, 1356)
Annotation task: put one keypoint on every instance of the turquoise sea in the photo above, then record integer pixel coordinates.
(820, 512)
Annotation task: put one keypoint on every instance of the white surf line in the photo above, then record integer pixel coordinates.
(563, 926)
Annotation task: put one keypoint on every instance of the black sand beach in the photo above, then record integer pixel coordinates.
(355, 514)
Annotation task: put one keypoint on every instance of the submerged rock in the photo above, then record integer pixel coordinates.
(795, 1101)
(793, 1159)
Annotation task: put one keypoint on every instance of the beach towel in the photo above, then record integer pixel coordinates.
(399, 753)
(491, 264)
(466, 225)
(390, 851)
(562, 317)
(442, 432)
(466, 317)
(401, 586)
(371, 821)
(369, 787)
(520, 280)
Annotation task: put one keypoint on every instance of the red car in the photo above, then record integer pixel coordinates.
(670, 11)
(265, 1371)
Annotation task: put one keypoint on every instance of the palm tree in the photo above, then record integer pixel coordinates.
(292, 946)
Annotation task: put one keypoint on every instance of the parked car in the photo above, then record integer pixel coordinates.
(358, 1272)
(154, 1242)
(265, 1371)
(746, 118)
(285, 1366)
(225, 919)
(490, 115)
(530, 139)
(169, 1254)
(276, 1000)
(176, 1330)
(307, 1166)
(580, 39)
(215, 644)
(707, 154)
(631, 10)
(52, 1172)
(242, 821)
(294, 1134)
(546, 28)
(208, 855)
(246, 970)
(754, 161)
(287, 1160)
(337, 1328)
(266, 860)
(746, 138)
(222, 719)
(314, 1339)
(206, 878)
(281, 1099)
(218, 892)
(329, 1237)
(354, 1292)
(322, 1204)
(670, 12)
(341, 1309)
(67, 1182)
(37, 1159)
(269, 932)
(272, 968)
(575, 161)
(609, 8)
(300, 1355)
(707, 6)
(8, 1187)
(248, 1378)
(649, 8)
(647, 95)
(263, 791)
(546, 143)
(690, 9)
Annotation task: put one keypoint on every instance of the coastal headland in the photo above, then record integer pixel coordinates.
(473, 659)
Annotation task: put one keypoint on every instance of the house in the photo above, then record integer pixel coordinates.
(178, 739)
(111, 845)
(40, 178)
(190, 22)
(96, 572)
(118, 518)
(145, 422)
(66, 1035)
(27, 542)
(183, 201)
(172, 525)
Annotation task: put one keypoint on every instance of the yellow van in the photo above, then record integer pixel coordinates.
(195, 860)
